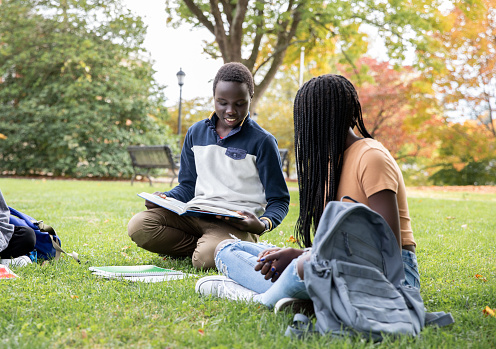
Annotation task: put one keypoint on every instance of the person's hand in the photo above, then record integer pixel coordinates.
(272, 262)
(150, 205)
(249, 223)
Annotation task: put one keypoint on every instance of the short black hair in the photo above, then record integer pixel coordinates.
(235, 71)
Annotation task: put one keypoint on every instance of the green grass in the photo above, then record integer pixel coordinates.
(62, 305)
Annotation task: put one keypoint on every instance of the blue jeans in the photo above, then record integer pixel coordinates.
(237, 261)
(410, 265)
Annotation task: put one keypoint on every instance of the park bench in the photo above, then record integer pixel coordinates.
(146, 158)
(285, 160)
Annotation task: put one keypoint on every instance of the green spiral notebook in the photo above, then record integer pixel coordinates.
(145, 273)
(133, 270)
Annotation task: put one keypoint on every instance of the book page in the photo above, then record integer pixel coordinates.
(168, 203)
(211, 209)
(191, 209)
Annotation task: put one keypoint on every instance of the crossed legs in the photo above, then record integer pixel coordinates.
(161, 231)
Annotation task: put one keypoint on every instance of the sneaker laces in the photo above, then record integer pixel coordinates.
(229, 289)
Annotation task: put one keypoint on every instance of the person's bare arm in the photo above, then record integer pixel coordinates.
(385, 203)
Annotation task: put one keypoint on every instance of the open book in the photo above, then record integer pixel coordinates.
(145, 273)
(186, 209)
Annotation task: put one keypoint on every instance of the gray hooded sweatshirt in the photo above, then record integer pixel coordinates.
(6, 229)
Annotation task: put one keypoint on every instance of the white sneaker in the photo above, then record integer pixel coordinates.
(223, 287)
(16, 262)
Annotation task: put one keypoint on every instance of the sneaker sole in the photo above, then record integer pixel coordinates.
(294, 305)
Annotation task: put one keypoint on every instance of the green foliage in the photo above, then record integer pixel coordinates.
(473, 173)
(465, 154)
(76, 89)
(267, 34)
(61, 305)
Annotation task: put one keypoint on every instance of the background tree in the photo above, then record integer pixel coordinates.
(396, 102)
(464, 156)
(260, 33)
(467, 141)
(192, 110)
(469, 82)
(75, 88)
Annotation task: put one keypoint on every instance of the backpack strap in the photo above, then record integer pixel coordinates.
(301, 327)
(56, 245)
(349, 198)
(439, 319)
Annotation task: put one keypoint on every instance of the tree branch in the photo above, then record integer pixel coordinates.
(250, 62)
(236, 30)
(227, 10)
(283, 41)
(219, 32)
(199, 14)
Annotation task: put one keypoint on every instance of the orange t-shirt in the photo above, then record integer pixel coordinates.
(369, 168)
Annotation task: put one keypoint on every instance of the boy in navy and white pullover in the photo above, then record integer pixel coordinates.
(227, 161)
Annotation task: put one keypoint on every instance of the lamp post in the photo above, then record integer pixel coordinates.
(180, 81)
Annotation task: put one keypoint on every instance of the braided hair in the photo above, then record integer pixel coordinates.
(238, 72)
(324, 109)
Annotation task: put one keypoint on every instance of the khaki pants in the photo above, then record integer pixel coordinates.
(161, 231)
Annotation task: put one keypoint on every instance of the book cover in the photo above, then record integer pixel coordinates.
(182, 208)
(141, 273)
(133, 270)
(6, 273)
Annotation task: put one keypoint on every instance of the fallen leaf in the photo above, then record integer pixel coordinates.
(480, 277)
(292, 239)
(449, 217)
(488, 311)
(125, 248)
(464, 226)
(201, 332)
(74, 296)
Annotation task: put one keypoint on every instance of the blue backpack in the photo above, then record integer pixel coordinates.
(48, 244)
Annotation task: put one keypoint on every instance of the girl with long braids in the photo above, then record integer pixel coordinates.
(332, 161)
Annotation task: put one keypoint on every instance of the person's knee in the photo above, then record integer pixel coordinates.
(135, 224)
(29, 237)
(222, 244)
(201, 261)
(203, 256)
(138, 231)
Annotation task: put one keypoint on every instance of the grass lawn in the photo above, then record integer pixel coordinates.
(62, 305)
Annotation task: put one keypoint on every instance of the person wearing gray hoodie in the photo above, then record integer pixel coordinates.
(15, 241)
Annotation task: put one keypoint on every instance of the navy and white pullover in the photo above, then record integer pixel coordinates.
(240, 172)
